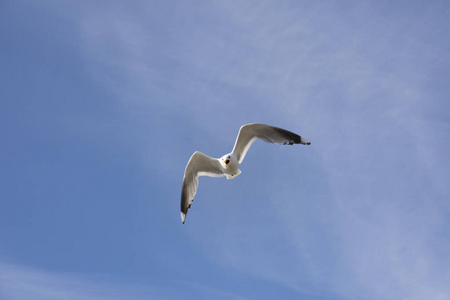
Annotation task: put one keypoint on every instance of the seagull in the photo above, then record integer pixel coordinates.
(228, 165)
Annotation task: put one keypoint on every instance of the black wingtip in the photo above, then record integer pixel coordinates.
(292, 138)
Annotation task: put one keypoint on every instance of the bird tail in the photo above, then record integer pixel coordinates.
(234, 175)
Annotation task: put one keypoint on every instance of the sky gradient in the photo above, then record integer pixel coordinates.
(103, 103)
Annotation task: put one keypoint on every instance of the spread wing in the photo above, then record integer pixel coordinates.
(199, 165)
(270, 134)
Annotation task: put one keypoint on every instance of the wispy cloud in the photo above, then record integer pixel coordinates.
(17, 282)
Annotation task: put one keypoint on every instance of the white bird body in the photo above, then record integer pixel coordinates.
(231, 169)
(228, 165)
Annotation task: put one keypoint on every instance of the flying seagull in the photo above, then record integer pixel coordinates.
(228, 165)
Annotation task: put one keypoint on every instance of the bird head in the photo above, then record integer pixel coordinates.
(226, 160)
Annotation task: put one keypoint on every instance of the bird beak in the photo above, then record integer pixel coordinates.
(227, 162)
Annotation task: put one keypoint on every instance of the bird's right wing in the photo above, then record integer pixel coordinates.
(199, 165)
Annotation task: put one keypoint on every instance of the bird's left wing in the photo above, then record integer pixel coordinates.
(199, 165)
(270, 134)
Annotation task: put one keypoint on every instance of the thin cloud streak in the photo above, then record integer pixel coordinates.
(18, 282)
(26, 283)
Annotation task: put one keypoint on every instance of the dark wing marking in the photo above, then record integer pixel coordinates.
(270, 134)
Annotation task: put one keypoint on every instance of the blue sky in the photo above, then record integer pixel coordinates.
(104, 102)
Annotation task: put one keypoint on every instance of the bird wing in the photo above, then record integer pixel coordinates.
(199, 165)
(270, 134)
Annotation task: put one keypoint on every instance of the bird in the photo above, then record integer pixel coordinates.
(228, 165)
